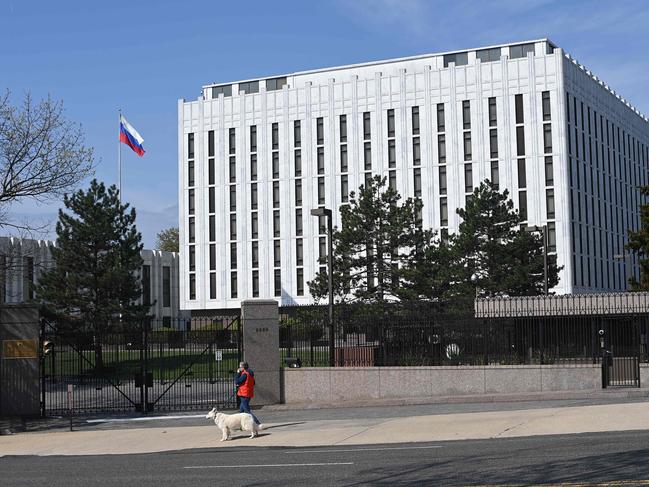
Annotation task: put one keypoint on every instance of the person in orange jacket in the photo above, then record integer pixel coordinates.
(245, 382)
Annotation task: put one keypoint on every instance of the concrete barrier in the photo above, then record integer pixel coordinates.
(325, 384)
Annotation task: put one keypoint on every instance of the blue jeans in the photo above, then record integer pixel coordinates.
(244, 407)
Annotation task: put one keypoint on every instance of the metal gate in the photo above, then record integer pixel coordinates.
(143, 368)
(622, 344)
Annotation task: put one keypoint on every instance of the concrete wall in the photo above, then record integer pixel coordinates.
(323, 384)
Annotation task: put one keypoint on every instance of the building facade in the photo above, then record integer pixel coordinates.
(256, 156)
(23, 261)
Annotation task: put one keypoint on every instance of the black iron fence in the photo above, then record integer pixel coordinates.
(428, 334)
(140, 366)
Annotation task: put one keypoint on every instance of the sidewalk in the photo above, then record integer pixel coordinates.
(333, 432)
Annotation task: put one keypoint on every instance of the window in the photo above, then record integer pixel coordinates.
(211, 203)
(190, 202)
(277, 253)
(253, 167)
(233, 226)
(298, 192)
(192, 258)
(254, 225)
(392, 153)
(417, 182)
(493, 143)
(166, 286)
(278, 282)
(253, 196)
(493, 112)
(297, 135)
(466, 114)
(549, 203)
(225, 90)
(460, 59)
(28, 279)
(343, 158)
(522, 177)
(275, 83)
(545, 99)
(441, 123)
(320, 130)
(276, 223)
(518, 103)
(190, 146)
(232, 140)
(249, 87)
(298, 162)
(468, 178)
(321, 163)
(390, 123)
(442, 180)
(212, 285)
(321, 191)
(367, 156)
(300, 282)
(190, 173)
(192, 286)
(275, 194)
(233, 198)
(343, 128)
(522, 204)
(549, 174)
(275, 165)
(213, 256)
(552, 237)
(253, 138)
(547, 138)
(443, 212)
(467, 146)
(298, 222)
(415, 120)
(392, 180)
(212, 228)
(367, 129)
(254, 254)
(344, 189)
(233, 285)
(520, 141)
(191, 230)
(299, 252)
(255, 284)
(210, 171)
(416, 152)
(520, 50)
(495, 176)
(233, 170)
(488, 55)
(275, 136)
(233, 255)
(322, 248)
(441, 148)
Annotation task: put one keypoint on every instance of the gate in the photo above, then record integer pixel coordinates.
(143, 368)
(622, 344)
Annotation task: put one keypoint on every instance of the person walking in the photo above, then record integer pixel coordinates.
(245, 382)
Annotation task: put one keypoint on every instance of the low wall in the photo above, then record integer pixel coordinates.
(325, 384)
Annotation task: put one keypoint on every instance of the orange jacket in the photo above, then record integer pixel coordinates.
(247, 388)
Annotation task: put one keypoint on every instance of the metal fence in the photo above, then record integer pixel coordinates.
(140, 366)
(430, 334)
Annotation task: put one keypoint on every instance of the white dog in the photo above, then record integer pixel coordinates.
(232, 422)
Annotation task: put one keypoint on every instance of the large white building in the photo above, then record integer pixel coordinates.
(256, 156)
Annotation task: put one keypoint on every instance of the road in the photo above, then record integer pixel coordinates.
(589, 459)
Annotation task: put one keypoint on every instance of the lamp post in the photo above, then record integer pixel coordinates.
(544, 232)
(326, 212)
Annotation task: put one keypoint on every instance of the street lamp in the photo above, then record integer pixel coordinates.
(544, 232)
(326, 212)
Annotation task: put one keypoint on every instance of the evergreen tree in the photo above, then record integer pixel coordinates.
(491, 254)
(95, 282)
(376, 248)
(639, 245)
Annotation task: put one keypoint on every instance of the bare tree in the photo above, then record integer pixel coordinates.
(42, 154)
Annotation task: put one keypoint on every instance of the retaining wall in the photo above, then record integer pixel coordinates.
(326, 384)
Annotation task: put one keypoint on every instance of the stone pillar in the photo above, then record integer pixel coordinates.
(260, 319)
(19, 361)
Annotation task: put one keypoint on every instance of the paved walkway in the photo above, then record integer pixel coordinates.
(333, 432)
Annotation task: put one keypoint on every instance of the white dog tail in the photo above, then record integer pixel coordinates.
(260, 426)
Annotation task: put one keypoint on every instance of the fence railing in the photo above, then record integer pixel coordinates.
(426, 335)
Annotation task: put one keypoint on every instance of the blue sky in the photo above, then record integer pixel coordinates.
(142, 56)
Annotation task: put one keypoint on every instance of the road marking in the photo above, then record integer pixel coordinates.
(144, 418)
(365, 449)
(274, 465)
(611, 483)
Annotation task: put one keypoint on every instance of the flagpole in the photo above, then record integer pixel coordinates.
(119, 156)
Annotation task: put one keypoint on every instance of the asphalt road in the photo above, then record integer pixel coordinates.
(588, 459)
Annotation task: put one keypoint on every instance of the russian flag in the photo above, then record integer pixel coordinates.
(129, 136)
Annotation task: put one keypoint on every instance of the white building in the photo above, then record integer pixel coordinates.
(256, 156)
(23, 261)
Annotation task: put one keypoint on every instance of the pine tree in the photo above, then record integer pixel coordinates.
(95, 283)
(491, 254)
(376, 247)
(639, 245)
